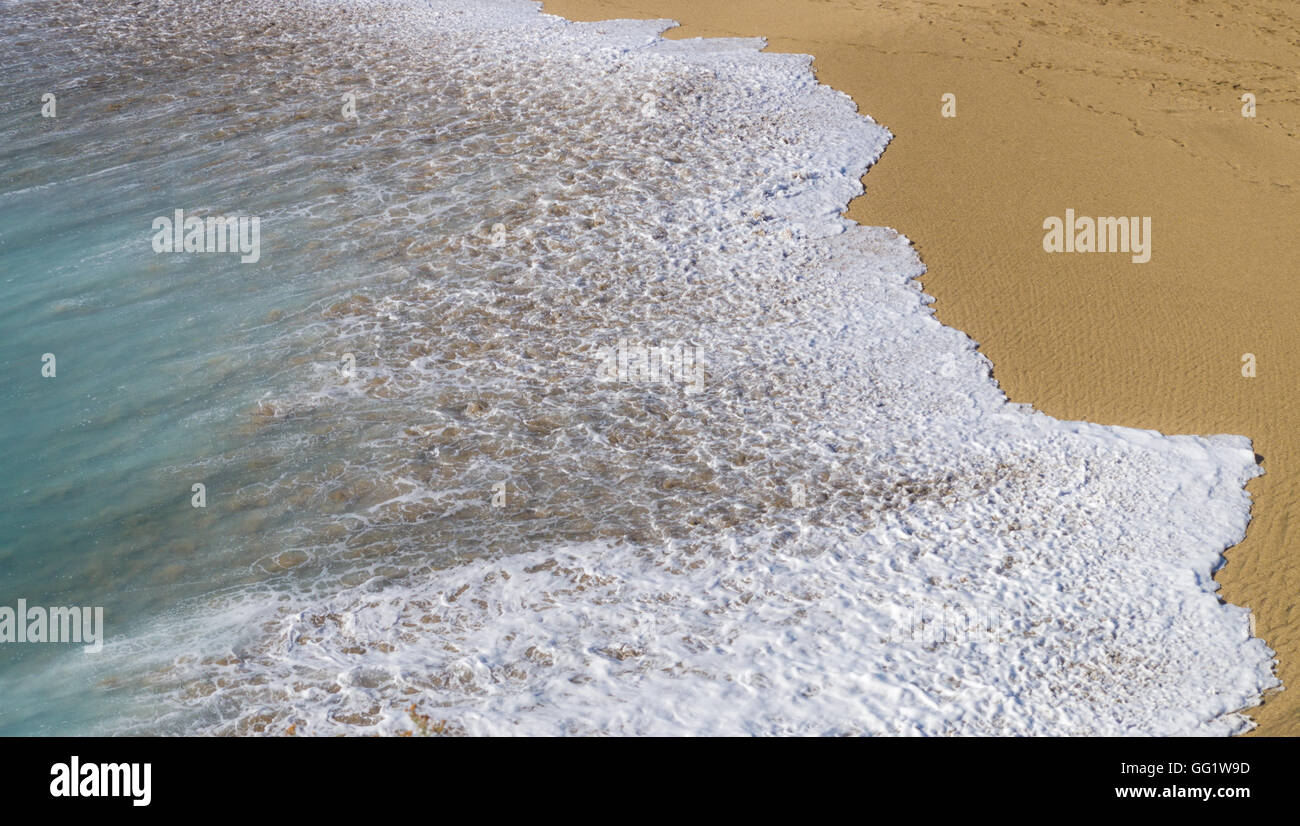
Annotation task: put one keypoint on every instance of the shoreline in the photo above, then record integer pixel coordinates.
(1046, 122)
(504, 514)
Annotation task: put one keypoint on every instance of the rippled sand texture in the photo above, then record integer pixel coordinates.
(521, 194)
(1107, 107)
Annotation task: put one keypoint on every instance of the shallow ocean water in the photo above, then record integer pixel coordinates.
(426, 488)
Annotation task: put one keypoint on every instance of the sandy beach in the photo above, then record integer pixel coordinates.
(1127, 108)
(451, 367)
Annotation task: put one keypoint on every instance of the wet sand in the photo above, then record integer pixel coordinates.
(1107, 108)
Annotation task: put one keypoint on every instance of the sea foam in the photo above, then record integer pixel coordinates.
(848, 530)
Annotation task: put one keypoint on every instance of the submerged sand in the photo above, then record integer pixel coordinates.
(1106, 108)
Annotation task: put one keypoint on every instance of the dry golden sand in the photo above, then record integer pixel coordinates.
(1109, 108)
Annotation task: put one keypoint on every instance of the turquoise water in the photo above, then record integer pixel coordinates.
(464, 244)
(162, 360)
